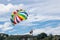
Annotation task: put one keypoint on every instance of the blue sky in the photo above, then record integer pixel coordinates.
(44, 16)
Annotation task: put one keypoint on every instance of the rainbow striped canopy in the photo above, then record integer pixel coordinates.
(18, 16)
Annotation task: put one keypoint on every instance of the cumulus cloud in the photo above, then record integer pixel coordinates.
(48, 30)
(5, 8)
(45, 8)
(5, 27)
(39, 18)
(8, 8)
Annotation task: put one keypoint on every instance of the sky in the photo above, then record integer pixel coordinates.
(43, 16)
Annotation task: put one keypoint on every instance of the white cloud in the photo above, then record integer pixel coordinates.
(6, 27)
(5, 8)
(45, 7)
(33, 18)
(9, 8)
(48, 30)
(49, 7)
(4, 19)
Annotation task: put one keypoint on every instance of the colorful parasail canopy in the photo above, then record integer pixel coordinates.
(18, 16)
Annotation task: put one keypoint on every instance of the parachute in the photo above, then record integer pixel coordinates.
(18, 15)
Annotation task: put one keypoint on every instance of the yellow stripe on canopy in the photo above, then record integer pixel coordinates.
(21, 17)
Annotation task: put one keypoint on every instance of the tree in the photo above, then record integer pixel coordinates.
(41, 36)
(50, 37)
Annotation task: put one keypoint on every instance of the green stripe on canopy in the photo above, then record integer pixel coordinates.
(23, 16)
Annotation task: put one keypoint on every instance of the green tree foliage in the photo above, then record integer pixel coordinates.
(41, 36)
(50, 37)
(3, 36)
